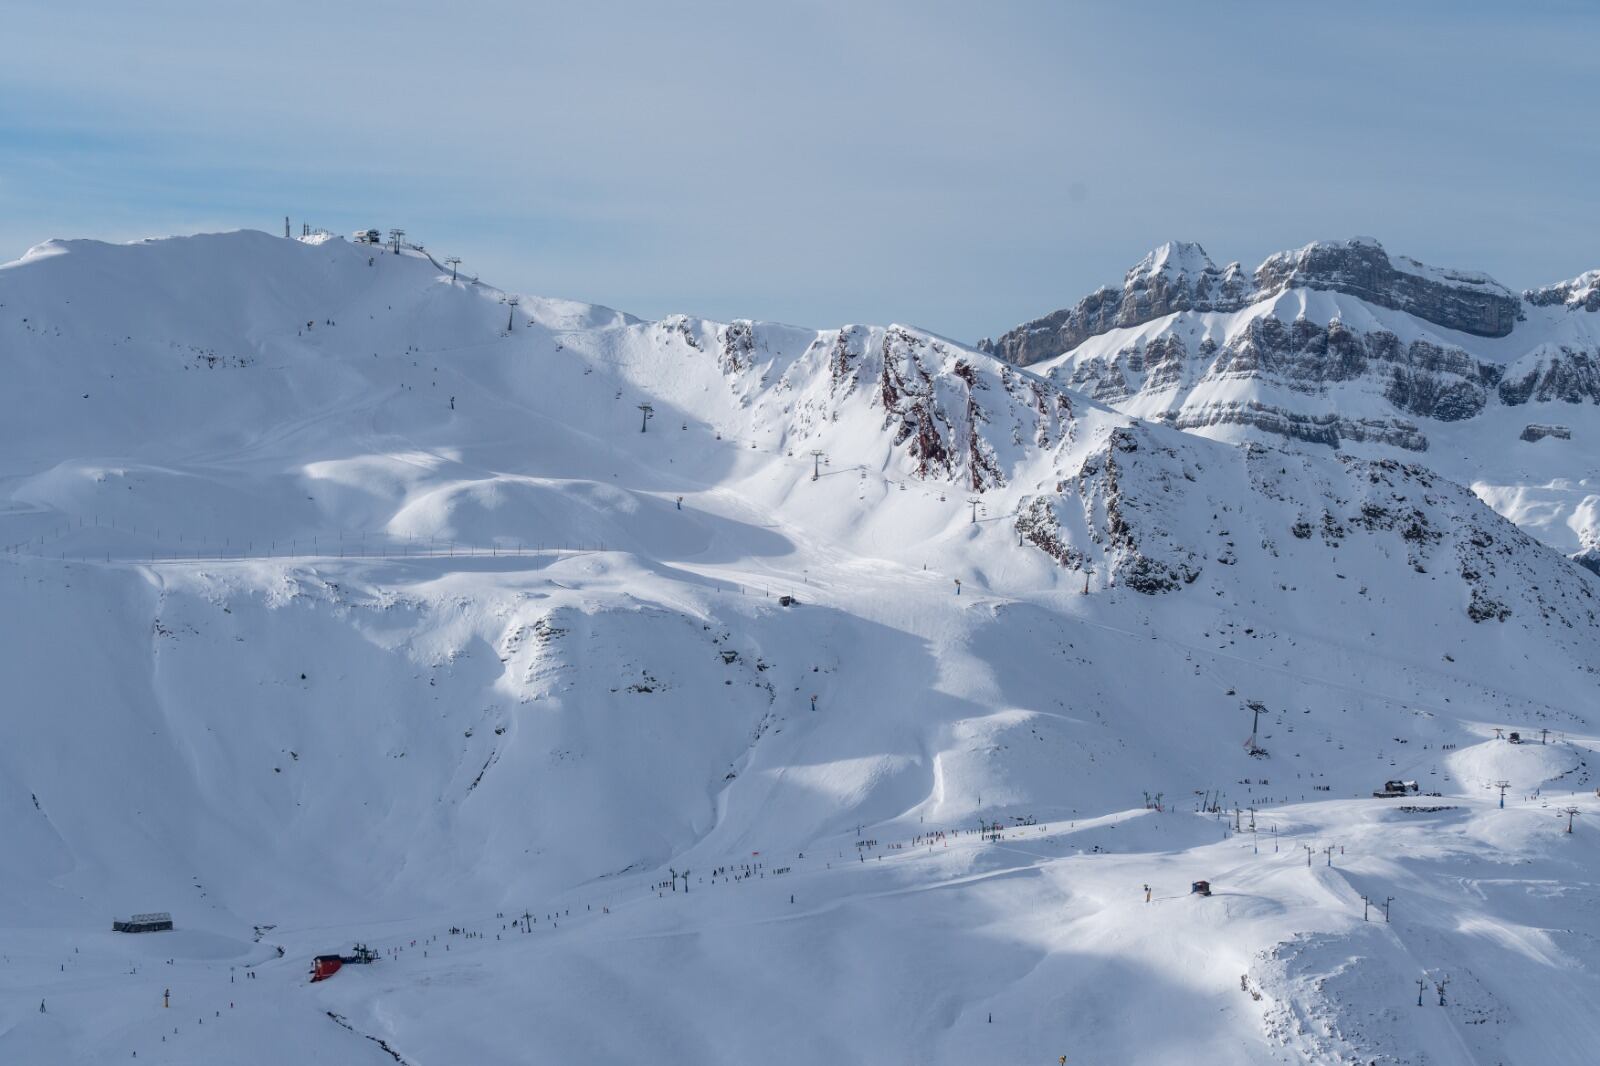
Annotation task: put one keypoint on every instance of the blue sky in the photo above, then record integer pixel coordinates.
(960, 166)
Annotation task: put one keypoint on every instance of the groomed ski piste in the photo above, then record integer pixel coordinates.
(346, 603)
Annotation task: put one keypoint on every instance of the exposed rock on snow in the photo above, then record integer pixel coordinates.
(1180, 277)
(1535, 431)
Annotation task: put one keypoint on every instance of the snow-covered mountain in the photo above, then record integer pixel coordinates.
(346, 601)
(1336, 345)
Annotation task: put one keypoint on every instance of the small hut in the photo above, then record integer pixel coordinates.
(324, 967)
(154, 922)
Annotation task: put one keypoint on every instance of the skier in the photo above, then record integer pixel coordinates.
(958, 586)
(680, 503)
(41, 1007)
(1147, 893)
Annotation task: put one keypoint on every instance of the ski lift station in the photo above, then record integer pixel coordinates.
(154, 922)
(325, 966)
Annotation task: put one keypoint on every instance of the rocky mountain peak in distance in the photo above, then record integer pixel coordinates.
(1180, 276)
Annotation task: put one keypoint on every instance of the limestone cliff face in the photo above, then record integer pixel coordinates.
(1181, 277)
(1460, 300)
(1175, 277)
(1333, 342)
(1582, 293)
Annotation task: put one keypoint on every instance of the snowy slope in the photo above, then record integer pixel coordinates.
(350, 601)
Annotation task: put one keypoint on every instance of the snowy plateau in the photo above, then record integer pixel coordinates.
(692, 692)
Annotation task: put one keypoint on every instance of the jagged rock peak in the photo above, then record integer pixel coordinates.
(1174, 257)
(1579, 293)
(1180, 276)
(1456, 299)
(1177, 276)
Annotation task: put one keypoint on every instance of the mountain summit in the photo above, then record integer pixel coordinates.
(1179, 276)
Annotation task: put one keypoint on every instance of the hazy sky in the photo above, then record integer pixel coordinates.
(960, 166)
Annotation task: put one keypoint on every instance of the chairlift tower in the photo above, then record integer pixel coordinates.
(454, 261)
(511, 316)
(1502, 786)
(816, 463)
(648, 413)
(974, 501)
(1255, 707)
(396, 236)
(1570, 812)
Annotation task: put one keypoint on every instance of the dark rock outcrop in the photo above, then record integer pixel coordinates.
(1180, 277)
(1536, 432)
(1582, 293)
(1459, 300)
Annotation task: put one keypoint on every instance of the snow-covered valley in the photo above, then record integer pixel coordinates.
(740, 691)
